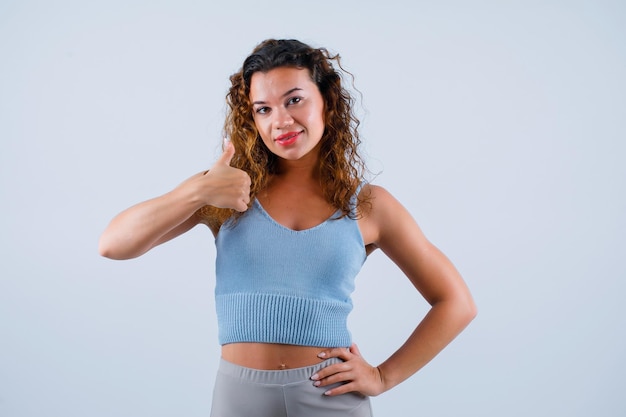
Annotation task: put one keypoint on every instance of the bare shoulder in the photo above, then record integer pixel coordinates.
(375, 191)
(379, 203)
(382, 215)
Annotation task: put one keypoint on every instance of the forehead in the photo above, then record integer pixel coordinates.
(278, 81)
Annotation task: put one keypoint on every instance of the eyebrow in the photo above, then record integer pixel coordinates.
(284, 95)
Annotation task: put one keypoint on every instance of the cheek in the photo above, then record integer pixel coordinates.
(321, 111)
(262, 127)
(318, 119)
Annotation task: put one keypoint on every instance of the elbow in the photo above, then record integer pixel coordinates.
(107, 253)
(463, 309)
(473, 312)
(104, 248)
(108, 249)
(470, 311)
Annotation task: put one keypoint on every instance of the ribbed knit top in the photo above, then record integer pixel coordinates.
(278, 285)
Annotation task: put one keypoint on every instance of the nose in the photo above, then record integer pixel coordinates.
(282, 118)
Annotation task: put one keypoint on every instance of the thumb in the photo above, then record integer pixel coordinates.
(227, 156)
(355, 349)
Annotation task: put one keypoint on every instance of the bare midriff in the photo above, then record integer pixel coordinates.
(269, 356)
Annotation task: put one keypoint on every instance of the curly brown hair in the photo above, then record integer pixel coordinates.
(341, 166)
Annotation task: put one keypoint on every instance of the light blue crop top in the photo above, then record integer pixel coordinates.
(277, 285)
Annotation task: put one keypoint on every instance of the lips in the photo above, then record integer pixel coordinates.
(287, 138)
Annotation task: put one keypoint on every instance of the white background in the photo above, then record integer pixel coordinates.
(500, 126)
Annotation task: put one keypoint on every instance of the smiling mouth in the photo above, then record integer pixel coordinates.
(287, 138)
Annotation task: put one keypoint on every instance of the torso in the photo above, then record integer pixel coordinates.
(271, 356)
(297, 208)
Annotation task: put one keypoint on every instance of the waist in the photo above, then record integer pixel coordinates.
(271, 356)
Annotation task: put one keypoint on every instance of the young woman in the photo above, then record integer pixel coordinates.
(294, 220)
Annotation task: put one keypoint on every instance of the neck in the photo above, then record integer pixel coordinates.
(297, 171)
(303, 170)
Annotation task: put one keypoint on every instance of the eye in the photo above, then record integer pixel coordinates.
(262, 110)
(294, 100)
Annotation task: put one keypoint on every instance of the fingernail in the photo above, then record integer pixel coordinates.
(317, 383)
(327, 393)
(321, 355)
(315, 377)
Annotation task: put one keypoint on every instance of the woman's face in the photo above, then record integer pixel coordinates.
(288, 111)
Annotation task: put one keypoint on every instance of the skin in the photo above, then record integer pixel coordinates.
(287, 104)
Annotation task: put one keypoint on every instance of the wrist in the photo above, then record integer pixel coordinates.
(386, 382)
(188, 195)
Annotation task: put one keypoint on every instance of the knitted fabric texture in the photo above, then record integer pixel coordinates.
(277, 285)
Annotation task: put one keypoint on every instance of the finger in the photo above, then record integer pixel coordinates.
(241, 206)
(338, 377)
(227, 156)
(343, 353)
(340, 390)
(331, 371)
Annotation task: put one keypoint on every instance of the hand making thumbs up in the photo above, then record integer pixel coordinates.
(227, 187)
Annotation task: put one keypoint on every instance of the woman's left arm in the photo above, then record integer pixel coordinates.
(390, 227)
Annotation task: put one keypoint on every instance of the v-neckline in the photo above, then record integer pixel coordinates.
(317, 226)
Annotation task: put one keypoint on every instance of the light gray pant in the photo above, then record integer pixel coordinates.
(245, 392)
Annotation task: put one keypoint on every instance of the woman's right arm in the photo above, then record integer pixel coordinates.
(139, 228)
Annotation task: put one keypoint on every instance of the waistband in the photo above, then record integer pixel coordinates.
(280, 318)
(276, 377)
